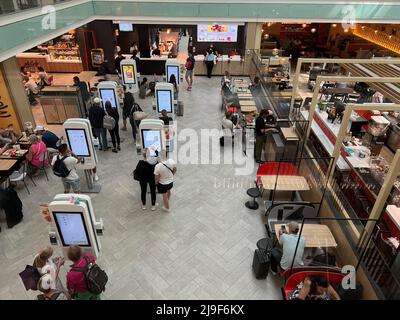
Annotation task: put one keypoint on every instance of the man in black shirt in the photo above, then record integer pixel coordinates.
(96, 116)
(126, 109)
(118, 60)
(265, 123)
(136, 58)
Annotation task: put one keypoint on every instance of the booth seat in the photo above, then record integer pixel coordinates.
(271, 169)
(334, 276)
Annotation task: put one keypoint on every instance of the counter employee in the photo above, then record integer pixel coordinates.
(265, 123)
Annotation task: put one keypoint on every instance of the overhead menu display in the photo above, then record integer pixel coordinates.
(128, 74)
(217, 32)
(108, 95)
(151, 139)
(164, 100)
(71, 228)
(78, 143)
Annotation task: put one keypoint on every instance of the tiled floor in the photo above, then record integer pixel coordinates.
(203, 249)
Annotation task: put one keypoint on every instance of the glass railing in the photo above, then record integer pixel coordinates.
(15, 6)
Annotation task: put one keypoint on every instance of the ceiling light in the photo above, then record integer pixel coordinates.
(346, 30)
(313, 30)
(304, 25)
(334, 25)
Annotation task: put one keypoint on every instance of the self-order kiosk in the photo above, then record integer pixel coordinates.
(74, 223)
(108, 92)
(152, 134)
(129, 75)
(79, 138)
(164, 93)
(173, 67)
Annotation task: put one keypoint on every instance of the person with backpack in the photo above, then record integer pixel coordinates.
(189, 70)
(113, 129)
(64, 167)
(85, 280)
(96, 118)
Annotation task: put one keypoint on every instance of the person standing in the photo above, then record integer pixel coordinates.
(76, 282)
(136, 58)
(172, 80)
(96, 116)
(190, 62)
(134, 123)
(72, 180)
(127, 107)
(210, 58)
(118, 60)
(145, 172)
(164, 177)
(114, 133)
(265, 123)
(44, 264)
(83, 88)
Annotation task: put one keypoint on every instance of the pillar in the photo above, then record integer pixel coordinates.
(13, 88)
(253, 35)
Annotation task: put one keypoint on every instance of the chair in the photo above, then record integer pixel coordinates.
(254, 193)
(17, 176)
(42, 160)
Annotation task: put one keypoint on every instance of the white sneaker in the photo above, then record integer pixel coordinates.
(96, 177)
(165, 209)
(153, 208)
(144, 207)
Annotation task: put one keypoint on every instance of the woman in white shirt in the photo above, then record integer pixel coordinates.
(164, 177)
(44, 264)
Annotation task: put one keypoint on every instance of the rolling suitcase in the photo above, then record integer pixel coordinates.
(261, 264)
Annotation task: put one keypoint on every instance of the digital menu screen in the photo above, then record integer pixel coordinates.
(77, 141)
(72, 228)
(164, 100)
(108, 95)
(151, 139)
(217, 32)
(128, 74)
(173, 70)
(125, 26)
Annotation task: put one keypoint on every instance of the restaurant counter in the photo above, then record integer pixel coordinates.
(150, 66)
(234, 65)
(33, 60)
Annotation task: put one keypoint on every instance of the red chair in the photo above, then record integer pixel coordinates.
(334, 277)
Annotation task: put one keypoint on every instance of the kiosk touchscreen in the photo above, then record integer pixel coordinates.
(173, 67)
(164, 93)
(108, 92)
(79, 137)
(152, 134)
(129, 74)
(73, 219)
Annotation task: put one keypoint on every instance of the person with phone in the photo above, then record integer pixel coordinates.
(282, 257)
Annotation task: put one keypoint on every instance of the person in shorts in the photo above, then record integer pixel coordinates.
(189, 70)
(164, 177)
(72, 180)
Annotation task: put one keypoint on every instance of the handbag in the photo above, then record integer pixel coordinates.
(139, 115)
(136, 175)
(30, 277)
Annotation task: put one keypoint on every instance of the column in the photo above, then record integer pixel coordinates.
(13, 93)
(253, 35)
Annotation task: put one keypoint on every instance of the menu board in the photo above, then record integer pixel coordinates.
(77, 141)
(72, 228)
(164, 100)
(217, 32)
(107, 94)
(151, 139)
(128, 74)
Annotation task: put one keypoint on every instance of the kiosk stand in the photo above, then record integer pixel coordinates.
(152, 135)
(80, 140)
(108, 92)
(74, 223)
(130, 77)
(172, 66)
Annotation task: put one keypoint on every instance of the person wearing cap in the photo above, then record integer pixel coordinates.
(283, 258)
(48, 137)
(96, 116)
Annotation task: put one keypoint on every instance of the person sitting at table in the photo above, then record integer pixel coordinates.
(314, 287)
(43, 77)
(7, 135)
(49, 138)
(227, 78)
(283, 258)
(35, 155)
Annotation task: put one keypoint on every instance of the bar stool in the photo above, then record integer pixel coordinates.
(254, 193)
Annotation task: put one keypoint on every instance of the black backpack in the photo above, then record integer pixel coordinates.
(59, 168)
(96, 278)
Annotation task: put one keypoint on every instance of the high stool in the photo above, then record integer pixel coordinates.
(253, 193)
